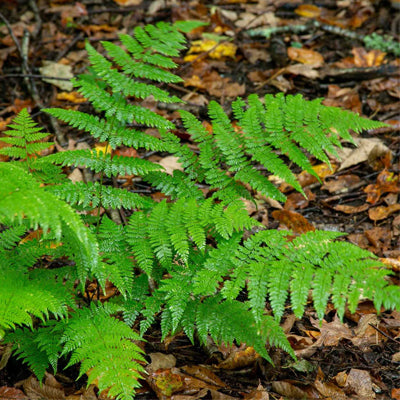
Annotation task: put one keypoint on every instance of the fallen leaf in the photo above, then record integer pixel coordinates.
(215, 50)
(160, 361)
(42, 391)
(347, 98)
(293, 220)
(239, 357)
(306, 70)
(204, 374)
(351, 209)
(102, 148)
(356, 156)
(342, 183)
(73, 97)
(53, 69)
(329, 390)
(365, 334)
(170, 164)
(257, 394)
(395, 394)
(165, 382)
(332, 332)
(306, 56)
(386, 182)
(127, 3)
(372, 58)
(359, 382)
(382, 212)
(308, 11)
(291, 391)
(10, 393)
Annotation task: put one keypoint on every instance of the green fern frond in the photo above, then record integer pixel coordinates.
(288, 124)
(177, 186)
(39, 348)
(24, 137)
(111, 166)
(123, 83)
(93, 194)
(106, 131)
(22, 297)
(104, 346)
(138, 239)
(21, 197)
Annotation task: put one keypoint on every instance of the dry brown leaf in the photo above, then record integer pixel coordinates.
(160, 361)
(356, 156)
(395, 394)
(43, 391)
(329, 390)
(170, 164)
(372, 58)
(342, 183)
(382, 212)
(386, 182)
(359, 382)
(239, 357)
(351, 209)
(293, 221)
(203, 374)
(291, 391)
(306, 56)
(332, 332)
(343, 97)
(302, 69)
(10, 393)
(257, 394)
(53, 69)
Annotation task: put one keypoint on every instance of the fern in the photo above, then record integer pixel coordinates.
(182, 261)
(104, 346)
(25, 138)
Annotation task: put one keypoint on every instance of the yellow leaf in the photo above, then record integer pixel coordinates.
(102, 148)
(217, 51)
(308, 11)
(73, 97)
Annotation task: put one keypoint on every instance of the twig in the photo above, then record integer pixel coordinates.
(30, 83)
(10, 31)
(36, 12)
(37, 76)
(384, 334)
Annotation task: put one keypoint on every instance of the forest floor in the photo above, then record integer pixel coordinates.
(356, 359)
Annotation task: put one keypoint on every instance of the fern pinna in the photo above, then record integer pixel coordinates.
(182, 261)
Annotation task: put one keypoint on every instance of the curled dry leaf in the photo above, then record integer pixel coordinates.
(293, 220)
(351, 209)
(239, 357)
(50, 389)
(382, 212)
(306, 56)
(356, 156)
(329, 390)
(10, 393)
(343, 184)
(359, 382)
(161, 361)
(204, 374)
(294, 390)
(257, 394)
